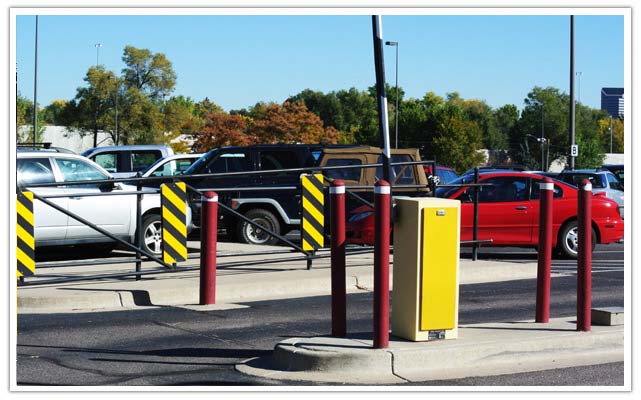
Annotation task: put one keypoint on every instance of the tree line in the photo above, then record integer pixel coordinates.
(137, 107)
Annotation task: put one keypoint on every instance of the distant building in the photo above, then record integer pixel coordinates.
(612, 101)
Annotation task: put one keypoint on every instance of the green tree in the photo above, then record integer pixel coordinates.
(546, 113)
(150, 73)
(455, 139)
(359, 117)
(91, 109)
(180, 119)
(614, 136)
(24, 121)
(591, 154)
(506, 119)
(141, 119)
(52, 112)
(205, 107)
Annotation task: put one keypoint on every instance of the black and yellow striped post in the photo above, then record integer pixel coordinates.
(312, 232)
(26, 247)
(173, 201)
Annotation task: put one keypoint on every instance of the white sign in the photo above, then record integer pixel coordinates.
(574, 150)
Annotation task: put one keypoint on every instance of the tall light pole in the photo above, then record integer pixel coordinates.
(97, 46)
(395, 44)
(543, 164)
(610, 134)
(578, 74)
(35, 90)
(572, 104)
(542, 138)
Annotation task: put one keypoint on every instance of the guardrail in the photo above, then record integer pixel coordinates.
(142, 255)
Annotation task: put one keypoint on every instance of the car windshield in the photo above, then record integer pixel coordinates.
(197, 167)
(446, 191)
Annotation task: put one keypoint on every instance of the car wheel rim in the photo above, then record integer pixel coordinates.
(153, 237)
(572, 240)
(257, 235)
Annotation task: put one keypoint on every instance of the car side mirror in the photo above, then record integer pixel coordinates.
(107, 186)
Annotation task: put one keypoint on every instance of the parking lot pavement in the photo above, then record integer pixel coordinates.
(245, 273)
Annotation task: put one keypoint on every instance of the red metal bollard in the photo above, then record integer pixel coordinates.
(584, 259)
(208, 240)
(339, 295)
(545, 251)
(381, 263)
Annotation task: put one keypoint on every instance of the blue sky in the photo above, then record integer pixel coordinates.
(237, 61)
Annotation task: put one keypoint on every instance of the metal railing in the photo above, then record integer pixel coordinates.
(143, 255)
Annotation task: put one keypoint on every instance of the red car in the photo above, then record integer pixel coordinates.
(508, 213)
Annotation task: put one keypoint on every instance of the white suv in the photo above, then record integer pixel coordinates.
(115, 214)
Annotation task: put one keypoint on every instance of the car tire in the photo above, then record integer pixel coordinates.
(152, 234)
(248, 233)
(568, 241)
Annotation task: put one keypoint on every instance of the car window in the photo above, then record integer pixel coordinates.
(503, 189)
(34, 170)
(278, 160)
(141, 159)
(536, 190)
(76, 170)
(108, 161)
(614, 182)
(174, 167)
(228, 162)
(401, 174)
(347, 174)
(597, 180)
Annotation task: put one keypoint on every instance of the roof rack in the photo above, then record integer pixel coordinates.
(41, 146)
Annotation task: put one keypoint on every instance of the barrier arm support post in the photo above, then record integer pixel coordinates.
(208, 241)
(545, 251)
(584, 259)
(339, 295)
(382, 203)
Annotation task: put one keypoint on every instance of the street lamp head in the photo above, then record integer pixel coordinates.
(98, 45)
(391, 43)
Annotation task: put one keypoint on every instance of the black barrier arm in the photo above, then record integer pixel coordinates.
(244, 218)
(100, 230)
(352, 194)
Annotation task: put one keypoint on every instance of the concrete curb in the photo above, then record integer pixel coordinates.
(500, 348)
(182, 288)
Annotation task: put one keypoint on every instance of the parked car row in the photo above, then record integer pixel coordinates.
(116, 215)
(508, 213)
(508, 209)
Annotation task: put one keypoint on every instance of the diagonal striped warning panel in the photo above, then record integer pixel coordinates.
(173, 200)
(312, 227)
(26, 247)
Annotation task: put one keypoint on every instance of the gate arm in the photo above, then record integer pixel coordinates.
(100, 230)
(244, 218)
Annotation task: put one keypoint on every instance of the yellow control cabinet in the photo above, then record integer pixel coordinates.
(426, 263)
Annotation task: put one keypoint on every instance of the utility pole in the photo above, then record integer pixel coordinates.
(610, 134)
(35, 90)
(572, 104)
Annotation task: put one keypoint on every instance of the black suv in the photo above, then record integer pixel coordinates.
(271, 200)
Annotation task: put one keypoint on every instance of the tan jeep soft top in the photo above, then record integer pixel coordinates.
(361, 155)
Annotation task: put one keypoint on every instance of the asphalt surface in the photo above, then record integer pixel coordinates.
(173, 345)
